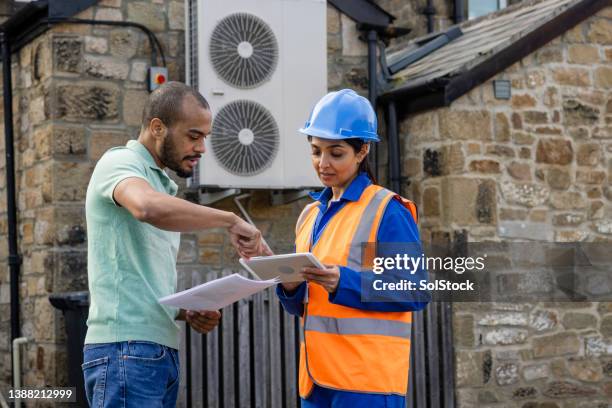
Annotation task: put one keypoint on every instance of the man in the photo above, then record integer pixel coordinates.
(133, 230)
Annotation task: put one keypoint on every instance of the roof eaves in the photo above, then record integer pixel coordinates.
(459, 83)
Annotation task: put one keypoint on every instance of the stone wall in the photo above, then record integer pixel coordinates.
(78, 90)
(535, 167)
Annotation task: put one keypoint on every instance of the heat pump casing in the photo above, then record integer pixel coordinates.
(297, 81)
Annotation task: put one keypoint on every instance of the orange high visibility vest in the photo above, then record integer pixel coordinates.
(344, 348)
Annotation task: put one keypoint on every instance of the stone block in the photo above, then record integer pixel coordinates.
(517, 121)
(577, 113)
(463, 331)
(568, 201)
(596, 346)
(124, 43)
(543, 320)
(473, 368)
(600, 31)
(333, 20)
(211, 255)
(525, 230)
(486, 202)
(536, 372)
(106, 68)
(604, 132)
(519, 171)
(505, 336)
(138, 72)
(586, 370)
(558, 178)
(431, 202)
(526, 194)
(176, 15)
(82, 102)
(70, 181)
(109, 14)
(352, 46)
(590, 177)
(465, 125)
(452, 159)
(70, 225)
(606, 326)
(102, 140)
(507, 374)
(502, 127)
(589, 154)
(133, 105)
(571, 76)
(67, 54)
(504, 319)
(500, 150)
(512, 214)
(485, 166)
(188, 250)
(535, 117)
(521, 138)
(583, 54)
(69, 141)
(565, 343)
(554, 151)
(567, 389)
(70, 272)
(579, 321)
(603, 77)
(568, 219)
(522, 101)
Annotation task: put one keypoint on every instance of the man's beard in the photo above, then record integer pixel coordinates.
(171, 159)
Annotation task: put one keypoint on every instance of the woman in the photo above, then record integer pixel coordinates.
(355, 349)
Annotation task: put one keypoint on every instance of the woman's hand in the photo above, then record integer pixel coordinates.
(328, 277)
(290, 286)
(203, 321)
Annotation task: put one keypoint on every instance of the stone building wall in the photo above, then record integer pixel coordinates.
(78, 90)
(535, 167)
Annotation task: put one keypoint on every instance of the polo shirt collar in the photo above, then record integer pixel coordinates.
(139, 148)
(352, 193)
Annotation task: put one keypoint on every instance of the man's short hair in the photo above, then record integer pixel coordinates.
(165, 103)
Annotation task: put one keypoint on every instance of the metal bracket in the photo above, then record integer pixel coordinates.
(207, 197)
(282, 197)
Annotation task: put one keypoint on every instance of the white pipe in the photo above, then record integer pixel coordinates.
(3, 402)
(246, 214)
(17, 364)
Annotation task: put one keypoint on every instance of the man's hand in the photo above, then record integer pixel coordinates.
(247, 239)
(328, 277)
(203, 321)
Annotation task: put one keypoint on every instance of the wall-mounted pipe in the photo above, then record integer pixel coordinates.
(14, 259)
(430, 12)
(394, 149)
(459, 11)
(372, 91)
(17, 365)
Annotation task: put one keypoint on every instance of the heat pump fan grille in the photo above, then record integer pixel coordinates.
(243, 50)
(244, 138)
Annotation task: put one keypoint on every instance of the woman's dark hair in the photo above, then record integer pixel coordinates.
(364, 166)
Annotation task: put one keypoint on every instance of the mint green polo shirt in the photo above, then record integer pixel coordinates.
(130, 264)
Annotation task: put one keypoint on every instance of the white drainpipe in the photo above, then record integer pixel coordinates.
(17, 364)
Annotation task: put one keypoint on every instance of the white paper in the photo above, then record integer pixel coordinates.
(217, 294)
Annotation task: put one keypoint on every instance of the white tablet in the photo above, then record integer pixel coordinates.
(286, 267)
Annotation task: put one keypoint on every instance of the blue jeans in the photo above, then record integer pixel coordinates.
(130, 374)
(325, 398)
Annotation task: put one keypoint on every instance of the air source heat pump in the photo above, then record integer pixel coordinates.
(262, 65)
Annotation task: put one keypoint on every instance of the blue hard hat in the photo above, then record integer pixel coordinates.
(342, 115)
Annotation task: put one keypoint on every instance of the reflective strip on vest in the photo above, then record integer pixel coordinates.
(378, 327)
(362, 233)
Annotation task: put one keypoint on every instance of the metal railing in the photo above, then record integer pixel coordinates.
(252, 358)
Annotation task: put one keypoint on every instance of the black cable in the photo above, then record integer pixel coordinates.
(152, 37)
